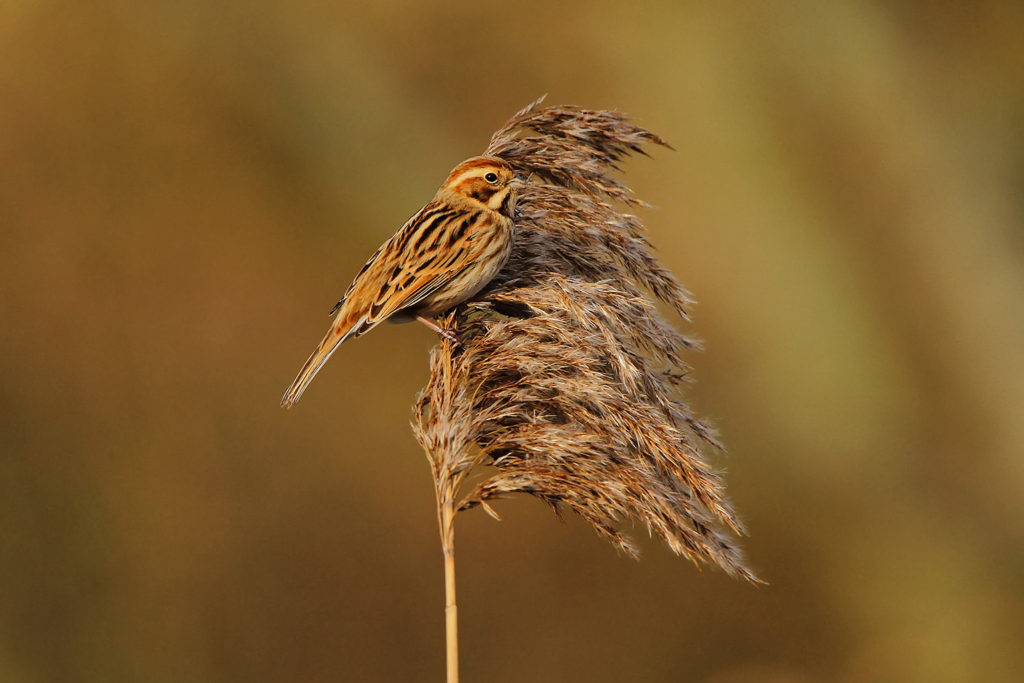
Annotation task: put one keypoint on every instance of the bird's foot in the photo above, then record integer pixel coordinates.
(447, 334)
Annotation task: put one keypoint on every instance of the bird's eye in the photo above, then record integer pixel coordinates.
(491, 177)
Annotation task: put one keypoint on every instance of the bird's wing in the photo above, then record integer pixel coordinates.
(386, 263)
(390, 281)
(393, 297)
(366, 266)
(407, 269)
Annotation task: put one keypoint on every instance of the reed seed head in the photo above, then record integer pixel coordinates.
(566, 384)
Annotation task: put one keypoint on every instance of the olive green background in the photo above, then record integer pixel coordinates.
(187, 187)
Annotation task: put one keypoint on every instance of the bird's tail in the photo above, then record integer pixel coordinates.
(342, 329)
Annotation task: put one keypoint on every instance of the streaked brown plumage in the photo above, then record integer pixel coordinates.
(443, 255)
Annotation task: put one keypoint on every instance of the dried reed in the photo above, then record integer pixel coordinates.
(565, 384)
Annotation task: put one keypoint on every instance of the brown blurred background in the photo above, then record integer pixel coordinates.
(186, 187)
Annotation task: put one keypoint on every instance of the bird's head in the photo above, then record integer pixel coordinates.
(485, 180)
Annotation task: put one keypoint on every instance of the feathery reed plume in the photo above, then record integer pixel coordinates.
(565, 383)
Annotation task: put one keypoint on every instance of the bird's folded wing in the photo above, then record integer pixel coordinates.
(392, 299)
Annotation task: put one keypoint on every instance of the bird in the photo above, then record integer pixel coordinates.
(447, 252)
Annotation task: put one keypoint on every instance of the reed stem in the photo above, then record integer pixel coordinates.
(451, 614)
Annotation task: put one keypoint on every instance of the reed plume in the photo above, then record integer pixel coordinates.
(565, 383)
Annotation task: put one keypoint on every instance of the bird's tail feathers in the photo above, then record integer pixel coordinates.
(339, 332)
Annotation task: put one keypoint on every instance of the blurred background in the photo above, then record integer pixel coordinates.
(187, 187)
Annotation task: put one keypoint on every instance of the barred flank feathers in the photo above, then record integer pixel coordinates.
(566, 382)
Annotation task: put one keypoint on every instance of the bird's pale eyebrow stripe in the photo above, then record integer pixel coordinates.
(477, 171)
